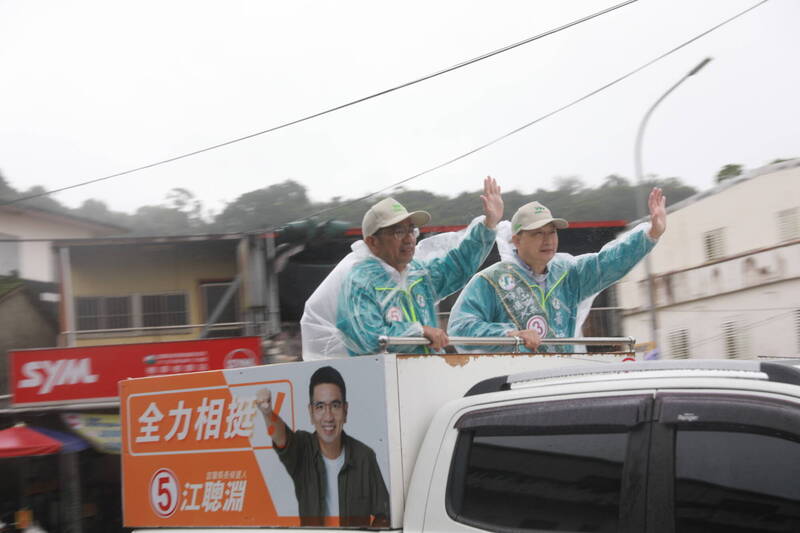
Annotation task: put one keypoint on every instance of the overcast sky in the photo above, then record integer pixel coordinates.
(90, 88)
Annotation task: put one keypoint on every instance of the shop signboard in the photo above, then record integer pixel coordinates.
(91, 372)
(101, 430)
(198, 449)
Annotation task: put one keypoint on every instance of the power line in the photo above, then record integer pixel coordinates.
(332, 109)
(539, 119)
(744, 327)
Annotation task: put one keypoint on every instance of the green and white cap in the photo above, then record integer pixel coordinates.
(534, 215)
(388, 212)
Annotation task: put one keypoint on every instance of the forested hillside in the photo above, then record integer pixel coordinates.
(182, 213)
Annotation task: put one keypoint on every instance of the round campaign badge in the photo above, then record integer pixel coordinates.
(394, 314)
(538, 323)
(164, 492)
(421, 300)
(506, 282)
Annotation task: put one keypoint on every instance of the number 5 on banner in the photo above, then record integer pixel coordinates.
(164, 492)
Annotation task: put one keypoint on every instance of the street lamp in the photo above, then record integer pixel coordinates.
(642, 198)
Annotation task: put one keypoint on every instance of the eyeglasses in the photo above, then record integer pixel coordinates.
(399, 232)
(540, 233)
(320, 407)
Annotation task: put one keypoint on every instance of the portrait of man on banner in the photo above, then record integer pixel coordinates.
(337, 479)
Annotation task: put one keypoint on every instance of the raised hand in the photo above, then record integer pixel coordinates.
(276, 428)
(264, 402)
(657, 203)
(492, 202)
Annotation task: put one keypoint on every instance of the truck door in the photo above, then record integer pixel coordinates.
(724, 462)
(567, 465)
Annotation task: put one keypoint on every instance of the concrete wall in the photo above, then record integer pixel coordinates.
(150, 269)
(23, 326)
(759, 321)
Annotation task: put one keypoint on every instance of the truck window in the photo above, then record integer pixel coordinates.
(545, 482)
(552, 466)
(725, 462)
(736, 481)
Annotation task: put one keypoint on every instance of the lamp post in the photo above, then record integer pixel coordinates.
(641, 197)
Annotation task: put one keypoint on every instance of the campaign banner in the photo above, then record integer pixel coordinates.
(101, 430)
(92, 372)
(296, 444)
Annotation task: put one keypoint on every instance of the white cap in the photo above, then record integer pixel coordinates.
(388, 212)
(534, 215)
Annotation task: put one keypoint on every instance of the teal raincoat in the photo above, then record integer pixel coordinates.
(377, 300)
(505, 297)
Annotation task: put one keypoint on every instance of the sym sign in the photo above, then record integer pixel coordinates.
(92, 372)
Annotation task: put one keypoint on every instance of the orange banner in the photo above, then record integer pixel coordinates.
(188, 458)
(198, 451)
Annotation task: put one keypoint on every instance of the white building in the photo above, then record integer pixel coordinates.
(726, 272)
(26, 234)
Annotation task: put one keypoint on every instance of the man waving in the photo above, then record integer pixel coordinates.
(389, 292)
(536, 293)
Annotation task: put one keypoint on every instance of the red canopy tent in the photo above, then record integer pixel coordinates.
(22, 441)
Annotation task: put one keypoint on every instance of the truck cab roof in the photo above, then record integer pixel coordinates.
(773, 370)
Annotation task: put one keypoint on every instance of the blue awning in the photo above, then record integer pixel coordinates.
(69, 442)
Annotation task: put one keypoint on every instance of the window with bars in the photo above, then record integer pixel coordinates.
(789, 224)
(138, 310)
(103, 312)
(679, 344)
(730, 335)
(797, 327)
(213, 295)
(714, 244)
(163, 310)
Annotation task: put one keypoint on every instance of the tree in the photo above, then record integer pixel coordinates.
(6, 191)
(160, 220)
(99, 211)
(614, 181)
(186, 202)
(183, 200)
(615, 199)
(568, 184)
(264, 208)
(42, 200)
(95, 209)
(729, 171)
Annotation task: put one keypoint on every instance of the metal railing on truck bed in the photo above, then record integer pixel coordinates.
(515, 343)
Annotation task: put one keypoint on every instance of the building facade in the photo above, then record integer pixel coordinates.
(134, 290)
(25, 320)
(26, 234)
(726, 274)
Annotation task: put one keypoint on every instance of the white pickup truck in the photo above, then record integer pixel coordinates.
(511, 442)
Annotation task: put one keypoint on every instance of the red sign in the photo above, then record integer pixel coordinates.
(92, 372)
